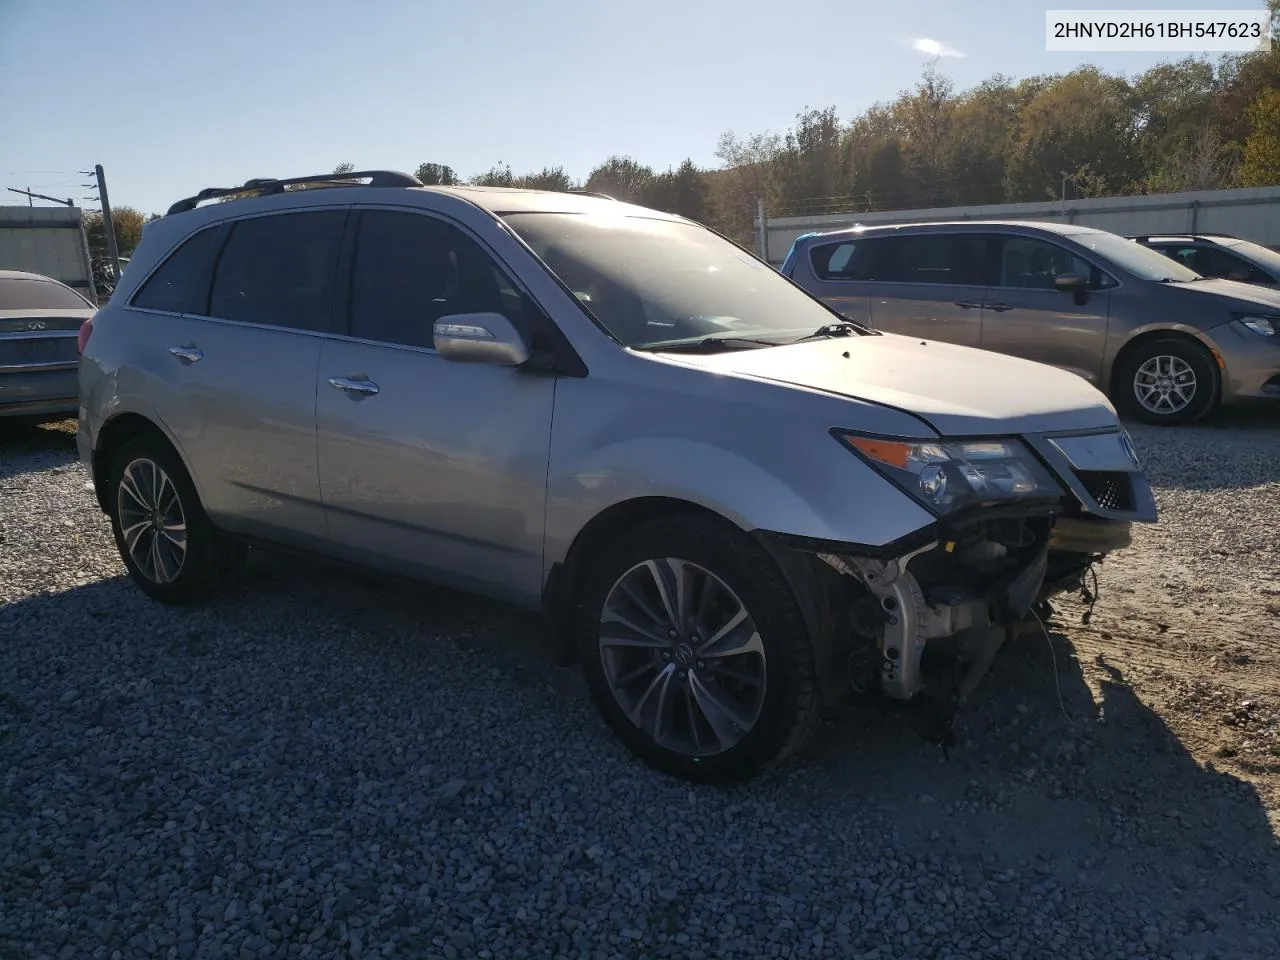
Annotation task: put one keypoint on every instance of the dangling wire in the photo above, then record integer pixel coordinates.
(1089, 596)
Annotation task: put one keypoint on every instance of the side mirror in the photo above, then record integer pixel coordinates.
(1071, 282)
(480, 338)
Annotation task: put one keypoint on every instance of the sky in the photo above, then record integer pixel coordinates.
(171, 96)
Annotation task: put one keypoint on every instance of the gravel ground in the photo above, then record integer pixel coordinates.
(320, 767)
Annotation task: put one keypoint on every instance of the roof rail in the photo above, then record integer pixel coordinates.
(265, 186)
(1190, 235)
(592, 193)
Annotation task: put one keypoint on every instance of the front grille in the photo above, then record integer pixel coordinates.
(1110, 489)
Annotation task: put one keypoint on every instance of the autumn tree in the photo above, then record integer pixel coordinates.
(1261, 164)
(128, 224)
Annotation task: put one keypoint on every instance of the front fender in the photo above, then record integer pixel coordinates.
(827, 494)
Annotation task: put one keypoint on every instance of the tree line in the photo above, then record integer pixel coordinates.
(1191, 124)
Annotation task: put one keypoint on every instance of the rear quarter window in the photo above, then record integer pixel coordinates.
(181, 284)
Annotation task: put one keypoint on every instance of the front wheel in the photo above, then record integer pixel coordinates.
(171, 549)
(1168, 381)
(696, 652)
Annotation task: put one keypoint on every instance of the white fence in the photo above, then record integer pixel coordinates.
(1252, 213)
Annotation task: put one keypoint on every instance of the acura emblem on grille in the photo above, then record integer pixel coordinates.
(35, 325)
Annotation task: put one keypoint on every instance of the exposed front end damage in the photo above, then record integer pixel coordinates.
(931, 618)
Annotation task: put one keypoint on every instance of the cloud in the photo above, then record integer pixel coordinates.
(935, 48)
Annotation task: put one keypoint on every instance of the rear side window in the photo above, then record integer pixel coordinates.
(181, 285)
(840, 261)
(279, 270)
(22, 293)
(412, 269)
(934, 259)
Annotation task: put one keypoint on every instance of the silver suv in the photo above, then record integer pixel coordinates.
(734, 508)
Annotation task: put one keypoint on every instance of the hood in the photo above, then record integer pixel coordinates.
(959, 391)
(1231, 295)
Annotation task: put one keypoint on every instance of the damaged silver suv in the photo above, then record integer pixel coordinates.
(734, 507)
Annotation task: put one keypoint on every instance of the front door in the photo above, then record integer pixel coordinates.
(928, 285)
(1027, 316)
(428, 466)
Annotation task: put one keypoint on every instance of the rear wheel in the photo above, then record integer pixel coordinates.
(1168, 381)
(169, 546)
(696, 652)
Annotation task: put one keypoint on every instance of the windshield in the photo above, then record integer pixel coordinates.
(1264, 257)
(657, 282)
(1141, 261)
(22, 293)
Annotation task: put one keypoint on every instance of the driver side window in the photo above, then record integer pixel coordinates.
(1030, 263)
(411, 269)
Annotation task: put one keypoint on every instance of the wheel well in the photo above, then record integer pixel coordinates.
(559, 597)
(115, 433)
(1144, 338)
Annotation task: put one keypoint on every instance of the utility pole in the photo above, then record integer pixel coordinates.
(28, 194)
(108, 227)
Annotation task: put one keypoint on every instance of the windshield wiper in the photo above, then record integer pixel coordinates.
(706, 344)
(841, 328)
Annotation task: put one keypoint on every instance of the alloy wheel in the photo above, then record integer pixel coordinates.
(153, 524)
(1164, 385)
(682, 656)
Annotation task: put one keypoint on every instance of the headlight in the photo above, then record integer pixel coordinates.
(1263, 326)
(947, 476)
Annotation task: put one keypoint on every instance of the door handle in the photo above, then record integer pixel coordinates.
(189, 354)
(968, 304)
(1000, 307)
(354, 388)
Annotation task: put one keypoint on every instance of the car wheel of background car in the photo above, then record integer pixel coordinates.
(169, 546)
(696, 652)
(1169, 381)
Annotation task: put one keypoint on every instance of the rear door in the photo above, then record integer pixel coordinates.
(429, 466)
(231, 327)
(927, 285)
(1027, 316)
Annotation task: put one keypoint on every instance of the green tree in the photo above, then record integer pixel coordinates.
(499, 175)
(1080, 128)
(1261, 166)
(548, 178)
(811, 162)
(621, 178)
(437, 174)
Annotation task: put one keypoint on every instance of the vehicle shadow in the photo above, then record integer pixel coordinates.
(28, 448)
(1064, 774)
(1055, 807)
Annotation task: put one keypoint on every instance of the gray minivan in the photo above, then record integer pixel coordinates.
(1167, 344)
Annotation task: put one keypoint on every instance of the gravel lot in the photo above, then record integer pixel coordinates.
(320, 767)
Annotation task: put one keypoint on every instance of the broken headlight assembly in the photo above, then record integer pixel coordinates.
(949, 475)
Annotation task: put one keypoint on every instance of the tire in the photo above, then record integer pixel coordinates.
(188, 575)
(1187, 360)
(777, 716)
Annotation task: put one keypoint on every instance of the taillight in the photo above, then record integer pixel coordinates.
(86, 331)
